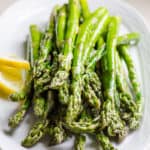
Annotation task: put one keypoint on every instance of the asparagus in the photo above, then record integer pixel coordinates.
(91, 90)
(42, 69)
(39, 129)
(33, 47)
(128, 39)
(19, 115)
(93, 38)
(87, 26)
(110, 116)
(127, 106)
(61, 26)
(64, 93)
(74, 107)
(92, 84)
(24, 95)
(104, 141)
(79, 142)
(56, 133)
(95, 58)
(67, 62)
(66, 57)
(36, 133)
(83, 127)
(135, 85)
(84, 9)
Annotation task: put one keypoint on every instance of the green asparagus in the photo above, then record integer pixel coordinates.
(84, 9)
(110, 116)
(128, 39)
(61, 27)
(135, 85)
(66, 56)
(36, 133)
(25, 94)
(77, 82)
(104, 141)
(80, 142)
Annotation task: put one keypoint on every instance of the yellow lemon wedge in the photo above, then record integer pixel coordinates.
(11, 73)
(8, 86)
(16, 63)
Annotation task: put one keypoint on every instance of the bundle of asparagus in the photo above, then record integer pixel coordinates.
(77, 83)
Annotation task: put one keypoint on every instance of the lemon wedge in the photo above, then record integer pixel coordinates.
(16, 63)
(11, 73)
(8, 87)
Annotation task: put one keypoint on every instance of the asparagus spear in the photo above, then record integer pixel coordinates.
(25, 93)
(84, 8)
(135, 85)
(74, 107)
(61, 27)
(127, 106)
(15, 120)
(110, 116)
(64, 93)
(36, 133)
(92, 84)
(56, 133)
(39, 129)
(95, 58)
(83, 127)
(79, 142)
(104, 141)
(42, 70)
(33, 47)
(128, 39)
(65, 58)
(93, 38)
(92, 90)
(87, 26)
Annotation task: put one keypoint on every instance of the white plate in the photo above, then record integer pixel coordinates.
(14, 25)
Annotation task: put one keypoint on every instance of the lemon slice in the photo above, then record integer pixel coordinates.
(8, 85)
(11, 73)
(16, 63)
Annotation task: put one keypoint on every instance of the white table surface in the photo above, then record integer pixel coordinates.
(143, 6)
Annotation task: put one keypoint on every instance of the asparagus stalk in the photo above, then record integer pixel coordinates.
(42, 70)
(74, 107)
(33, 47)
(35, 134)
(15, 120)
(56, 133)
(95, 58)
(66, 57)
(92, 84)
(64, 93)
(83, 127)
(92, 90)
(79, 142)
(84, 30)
(39, 129)
(61, 27)
(127, 106)
(135, 85)
(84, 9)
(110, 116)
(93, 38)
(104, 141)
(128, 39)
